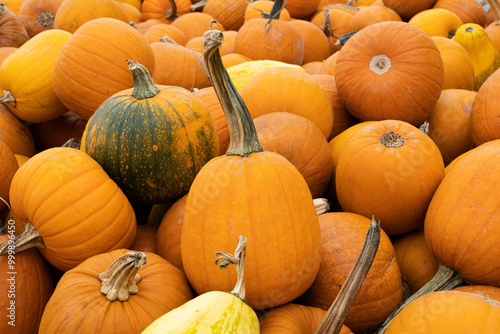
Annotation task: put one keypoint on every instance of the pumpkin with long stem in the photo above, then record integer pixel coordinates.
(249, 192)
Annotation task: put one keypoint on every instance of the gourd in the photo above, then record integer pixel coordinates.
(152, 140)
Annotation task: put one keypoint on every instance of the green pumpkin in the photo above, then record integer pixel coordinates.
(151, 140)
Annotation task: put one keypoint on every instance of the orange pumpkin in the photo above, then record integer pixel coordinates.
(371, 15)
(398, 188)
(437, 22)
(72, 14)
(469, 11)
(163, 10)
(157, 31)
(38, 16)
(408, 8)
(86, 74)
(6, 51)
(261, 9)
(449, 125)
(342, 237)
(492, 292)
(133, 288)
(301, 142)
(234, 182)
(300, 9)
(316, 45)
(232, 59)
(334, 21)
(229, 13)
(328, 66)
(457, 62)
(58, 131)
(8, 167)
(415, 261)
(168, 237)
(463, 155)
(27, 285)
(464, 202)
(145, 239)
(12, 32)
(290, 90)
(15, 133)
(270, 39)
(143, 26)
(312, 67)
(75, 208)
(439, 311)
(390, 70)
(196, 24)
(134, 15)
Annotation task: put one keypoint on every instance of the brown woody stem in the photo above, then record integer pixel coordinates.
(243, 136)
(166, 39)
(144, 86)
(321, 205)
(336, 314)
(8, 98)
(2, 9)
(495, 9)
(120, 280)
(327, 29)
(444, 279)
(30, 238)
(239, 259)
(172, 12)
(199, 6)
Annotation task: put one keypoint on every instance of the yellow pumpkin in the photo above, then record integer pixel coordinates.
(484, 54)
(26, 78)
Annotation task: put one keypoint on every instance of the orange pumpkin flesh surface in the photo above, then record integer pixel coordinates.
(12, 32)
(126, 303)
(8, 168)
(390, 70)
(342, 236)
(448, 312)
(86, 74)
(74, 206)
(15, 133)
(462, 221)
(25, 280)
(469, 11)
(492, 292)
(145, 239)
(408, 8)
(389, 169)
(227, 199)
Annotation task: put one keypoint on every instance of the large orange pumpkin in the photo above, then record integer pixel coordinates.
(461, 224)
(27, 284)
(86, 74)
(390, 70)
(342, 237)
(249, 192)
(75, 208)
(389, 169)
(127, 291)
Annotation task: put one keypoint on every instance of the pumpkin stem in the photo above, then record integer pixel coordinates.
(321, 205)
(166, 39)
(392, 140)
(144, 86)
(199, 6)
(345, 37)
(120, 280)
(336, 314)
(2, 9)
(46, 19)
(8, 98)
(327, 28)
(28, 239)
(239, 259)
(275, 11)
(72, 143)
(242, 134)
(495, 9)
(172, 12)
(444, 279)
(424, 127)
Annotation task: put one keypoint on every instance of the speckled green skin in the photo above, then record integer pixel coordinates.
(153, 147)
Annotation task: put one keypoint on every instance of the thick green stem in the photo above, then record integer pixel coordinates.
(144, 86)
(120, 280)
(239, 259)
(444, 279)
(336, 314)
(242, 134)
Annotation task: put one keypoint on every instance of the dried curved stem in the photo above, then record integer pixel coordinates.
(243, 136)
(30, 238)
(444, 279)
(172, 12)
(198, 7)
(8, 98)
(120, 280)
(239, 259)
(336, 314)
(495, 9)
(321, 205)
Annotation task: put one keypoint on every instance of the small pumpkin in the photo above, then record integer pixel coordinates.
(195, 24)
(57, 132)
(12, 32)
(145, 239)
(437, 22)
(131, 288)
(15, 133)
(373, 14)
(177, 137)
(469, 11)
(229, 13)
(26, 78)
(165, 11)
(408, 8)
(8, 168)
(262, 9)
(157, 31)
(37, 17)
(492, 292)
(316, 45)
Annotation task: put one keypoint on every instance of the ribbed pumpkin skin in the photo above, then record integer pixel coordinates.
(77, 209)
(342, 237)
(448, 312)
(462, 221)
(33, 287)
(8, 168)
(294, 319)
(161, 289)
(15, 133)
(408, 8)
(212, 312)
(12, 32)
(437, 22)
(86, 74)
(28, 75)
(469, 11)
(153, 148)
(395, 184)
(265, 198)
(406, 89)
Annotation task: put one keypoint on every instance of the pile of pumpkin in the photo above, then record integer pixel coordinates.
(143, 140)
